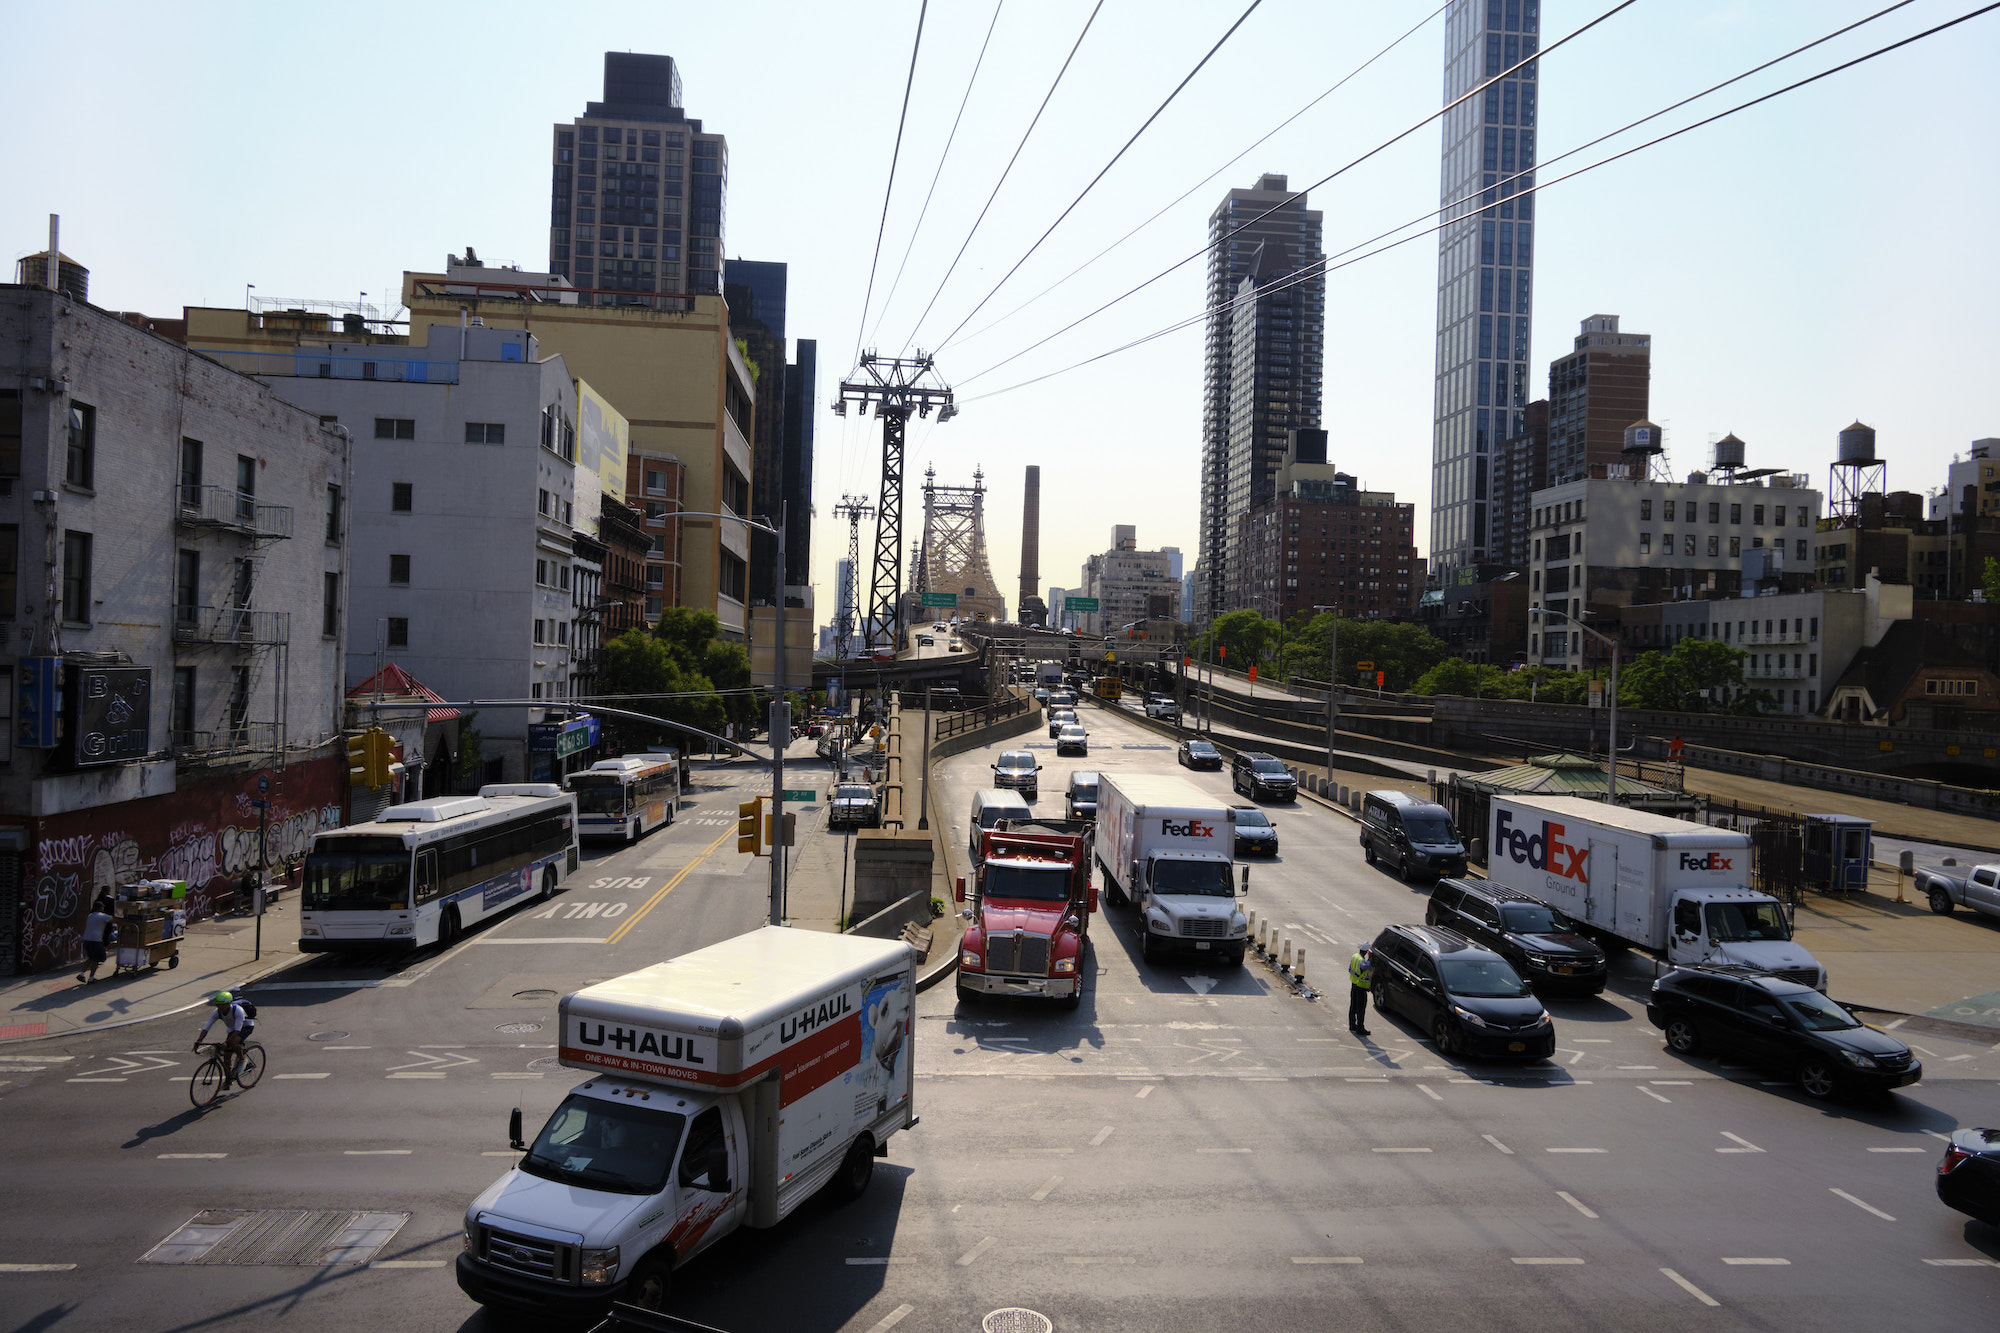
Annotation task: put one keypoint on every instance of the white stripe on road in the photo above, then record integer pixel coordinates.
(1864, 1207)
(1537, 1261)
(1496, 1143)
(1326, 1259)
(518, 1074)
(1399, 1150)
(1758, 1263)
(1222, 1150)
(1963, 1263)
(377, 1152)
(1429, 1092)
(301, 1076)
(1048, 1186)
(1657, 1097)
(1747, 1146)
(1690, 1288)
(101, 1080)
(1102, 1135)
(36, 1268)
(891, 1319)
(1899, 1150)
(417, 1073)
(965, 1260)
(1097, 1259)
(1147, 1089)
(407, 1263)
(1575, 1203)
(192, 1156)
(1576, 1150)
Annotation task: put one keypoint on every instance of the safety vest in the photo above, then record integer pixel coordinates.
(1357, 971)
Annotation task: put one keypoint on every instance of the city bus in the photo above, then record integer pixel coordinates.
(626, 798)
(421, 873)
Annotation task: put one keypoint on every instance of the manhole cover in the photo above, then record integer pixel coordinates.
(545, 1064)
(520, 1027)
(326, 1036)
(1016, 1320)
(534, 994)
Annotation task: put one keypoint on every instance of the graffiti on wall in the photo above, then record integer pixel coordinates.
(205, 834)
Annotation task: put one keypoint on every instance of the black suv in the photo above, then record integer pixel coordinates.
(1541, 943)
(1261, 775)
(1771, 1021)
(1467, 998)
(1414, 835)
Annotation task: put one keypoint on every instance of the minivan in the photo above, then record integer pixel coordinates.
(1416, 836)
(1540, 942)
(1082, 796)
(1466, 998)
(990, 805)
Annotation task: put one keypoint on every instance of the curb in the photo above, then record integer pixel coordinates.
(245, 984)
(1973, 1033)
(938, 972)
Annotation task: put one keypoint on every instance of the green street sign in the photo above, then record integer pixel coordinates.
(944, 599)
(807, 797)
(1079, 603)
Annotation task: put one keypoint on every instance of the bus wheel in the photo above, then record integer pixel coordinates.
(447, 928)
(548, 883)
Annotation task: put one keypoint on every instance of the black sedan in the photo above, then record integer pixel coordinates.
(1968, 1178)
(1255, 833)
(1199, 754)
(1770, 1021)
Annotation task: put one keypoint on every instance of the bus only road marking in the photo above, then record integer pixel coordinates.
(667, 888)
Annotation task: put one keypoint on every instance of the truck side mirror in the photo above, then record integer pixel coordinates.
(1243, 890)
(1090, 897)
(1134, 875)
(514, 1130)
(958, 890)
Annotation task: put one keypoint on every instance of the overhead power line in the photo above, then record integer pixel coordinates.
(948, 139)
(890, 188)
(1297, 195)
(1157, 112)
(1037, 119)
(1325, 266)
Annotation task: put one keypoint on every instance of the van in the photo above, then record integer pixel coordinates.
(990, 805)
(1082, 795)
(1416, 836)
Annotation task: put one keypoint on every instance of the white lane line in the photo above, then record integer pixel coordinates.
(1102, 1135)
(302, 1076)
(1222, 1150)
(1048, 1188)
(1147, 1090)
(965, 1260)
(376, 1152)
(879, 1262)
(891, 1319)
(1671, 1082)
(1758, 1263)
(1690, 1288)
(1496, 1143)
(1576, 1150)
(1575, 1203)
(1638, 1066)
(1097, 1259)
(1956, 1263)
(503, 1152)
(1060, 1152)
(1744, 1144)
(59, 1059)
(1326, 1259)
(1315, 1039)
(1657, 1097)
(192, 1156)
(1864, 1207)
(1591, 1041)
(36, 1268)
(1383, 1079)
(1899, 1150)
(517, 1074)
(407, 1263)
(1429, 1092)
(415, 1073)
(1399, 1150)
(103, 1080)
(1545, 1261)
(347, 1048)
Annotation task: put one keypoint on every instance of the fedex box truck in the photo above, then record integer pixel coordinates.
(1634, 877)
(1167, 849)
(726, 1087)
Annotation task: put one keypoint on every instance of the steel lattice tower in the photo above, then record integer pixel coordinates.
(853, 508)
(896, 386)
(954, 547)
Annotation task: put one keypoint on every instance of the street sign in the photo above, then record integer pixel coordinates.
(805, 796)
(945, 599)
(1079, 603)
(1380, 676)
(1364, 666)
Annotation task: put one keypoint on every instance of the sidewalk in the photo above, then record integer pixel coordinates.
(215, 955)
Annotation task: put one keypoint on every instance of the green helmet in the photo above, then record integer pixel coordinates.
(222, 997)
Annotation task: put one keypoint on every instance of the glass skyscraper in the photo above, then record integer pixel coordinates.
(1485, 270)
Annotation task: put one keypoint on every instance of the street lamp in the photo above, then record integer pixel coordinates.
(1611, 787)
(1332, 684)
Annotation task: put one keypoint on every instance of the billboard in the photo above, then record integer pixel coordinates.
(114, 713)
(602, 439)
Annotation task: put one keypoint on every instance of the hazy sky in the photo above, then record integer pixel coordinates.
(1823, 257)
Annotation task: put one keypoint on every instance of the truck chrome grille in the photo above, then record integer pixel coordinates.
(1205, 928)
(530, 1256)
(1019, 953)
(1805, 976)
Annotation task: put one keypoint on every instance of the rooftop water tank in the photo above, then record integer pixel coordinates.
(1857, 444)
(1729, 452)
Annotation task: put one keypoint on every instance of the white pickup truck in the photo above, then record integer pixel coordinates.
(1978, 890)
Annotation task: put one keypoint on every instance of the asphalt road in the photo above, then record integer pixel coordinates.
(1196, 1147)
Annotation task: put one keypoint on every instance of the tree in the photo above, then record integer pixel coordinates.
(1244, 636)
(1675, 680)
(1991, 579)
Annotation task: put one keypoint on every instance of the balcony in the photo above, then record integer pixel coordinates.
(242, 739)
(227, 507)
(1783, 671)
(1774, 637)
(232, 625)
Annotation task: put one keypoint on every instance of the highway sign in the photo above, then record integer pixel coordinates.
(1079, 604)
(944, 599)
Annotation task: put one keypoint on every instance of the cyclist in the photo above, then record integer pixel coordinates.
(235, 1018)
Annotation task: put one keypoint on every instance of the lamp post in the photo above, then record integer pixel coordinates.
(1332, 684)
(1611, 786)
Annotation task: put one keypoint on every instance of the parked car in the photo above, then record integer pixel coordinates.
(1538, 941)
(1416, 836)
(1968, 1178)
(1017, 770)
(1261, 775)
(1977, 891)
(1072, 740)
(1771, 1021)
(1255, 833)
(854, 806)
(1060, 718)
(1081, 799)
(1467, 998)
(1198, 754)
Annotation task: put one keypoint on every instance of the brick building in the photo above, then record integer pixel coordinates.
(1325, 541)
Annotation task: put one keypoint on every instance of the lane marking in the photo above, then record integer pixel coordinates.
(1145, 1091)
(1758, 1263)
(1899, 1150)
(1671, 1082)
(626, 927)
(1326, 1259)
(104, 1080)
(518, 1074)
(1864, 1207)
(1963, 1263)
(407, 1263)
(1746, 1145)
(1576, 1150)
(36, 1268)
(1690, 1288)
(1102, 1135)
(1657, 1097)
(376, 1152)
(192, 1156)
(417, 1073)
(1399, 1150)
(1383, 1079)
(503, 1152)
(1429, 1092)
(1060, 1152)
(1575, 1203)
(881, 1262)
(1097, 1258)
(1545, 1261)
(347, 1048)
(1226, 1150)
(965, 1260)
(1496, 1143)
(302, 1076)
(891, 1319)
(1048, 1186)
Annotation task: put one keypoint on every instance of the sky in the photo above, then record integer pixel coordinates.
(1823, 257)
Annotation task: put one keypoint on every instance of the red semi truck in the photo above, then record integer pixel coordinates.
(1030, 914)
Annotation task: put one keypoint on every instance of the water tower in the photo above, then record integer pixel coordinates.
(1855, 472)
(1729, 458)
(1645, 448)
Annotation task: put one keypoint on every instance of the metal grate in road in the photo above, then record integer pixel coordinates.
(284, 1237)
(1014, 1319)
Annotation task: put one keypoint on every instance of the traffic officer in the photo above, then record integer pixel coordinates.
(1358, 970)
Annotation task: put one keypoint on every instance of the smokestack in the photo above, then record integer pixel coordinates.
(1031, 540)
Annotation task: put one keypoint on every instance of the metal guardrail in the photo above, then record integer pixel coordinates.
(227, 507)
(231, 625)
(974, 718)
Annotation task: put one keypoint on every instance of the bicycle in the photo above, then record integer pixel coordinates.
(205, 1084)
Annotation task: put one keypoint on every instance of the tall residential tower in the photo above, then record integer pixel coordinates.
(1485, 268)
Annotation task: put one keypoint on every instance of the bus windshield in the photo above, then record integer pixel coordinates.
(599, 796)
(358, 875)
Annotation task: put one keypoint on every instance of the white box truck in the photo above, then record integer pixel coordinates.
(1631, 876)
(1167, 849)
(726, 1087)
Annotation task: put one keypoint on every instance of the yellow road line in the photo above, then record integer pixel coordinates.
(666, 889)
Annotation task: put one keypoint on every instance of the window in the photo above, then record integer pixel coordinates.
(538, 631)
(399, 632)
(1781, 516)
(333, 514)
(1714, 511)
(400, 495)
(1646, 510)
(80, 460)
(542, 503)
(76, 578)
(564, 571)
(399, 569)
(1757, 515)
(1802, 550)
(187, 589)
(567, 511)
(1667, 511)
(1736, 513)
(10, 568)
(180, 720)
(395, 428)
(1645, 543)
(541, 573)
(329, 606)
(1667, 544)
(1736, 546)
(246, 489)
(485, 432)
(10, 432)
(190, 473)
(239, 697)
(1815, 627)
(1802, 516)
(656, 512)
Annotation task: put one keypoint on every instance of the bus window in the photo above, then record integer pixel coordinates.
(428, 884)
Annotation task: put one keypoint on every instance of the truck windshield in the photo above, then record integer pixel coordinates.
(1486, 978)
(1432, 830)
(1085, 791)
(854, 794)
(1535, 919)
(598, 797)
(1199, 878)
(1041, 884)
(1820, 1014)
(603, 1145)
(358, 875)
(1737, 922)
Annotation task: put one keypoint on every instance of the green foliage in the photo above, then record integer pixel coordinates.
(470, 743)
(1245, 637)
(1674, 680)
(1402, 651)
(683, 656)
(756, 371)
(1991, 579)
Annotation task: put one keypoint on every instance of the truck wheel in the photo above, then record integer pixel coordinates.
(1940, 902)
(1236, 959)
(1683, 1036)
(856, 1170)
(1146, 951)
(650, 1282)
(966, 995)
(448, 928)
(1074, 999)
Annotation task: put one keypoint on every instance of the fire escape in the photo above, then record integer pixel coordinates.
(227, 529)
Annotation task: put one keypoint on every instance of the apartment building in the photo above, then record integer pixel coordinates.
(1325, 540)
(1128, 583)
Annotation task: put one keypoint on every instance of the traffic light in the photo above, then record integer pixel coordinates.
(381, 755)
(358, 749)
(749, 826)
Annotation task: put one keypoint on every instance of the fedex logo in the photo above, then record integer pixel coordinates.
(1543, 851)
(1708, 861)
(1194, 828)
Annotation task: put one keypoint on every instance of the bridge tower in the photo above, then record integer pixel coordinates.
(954, 547)
(853, 508)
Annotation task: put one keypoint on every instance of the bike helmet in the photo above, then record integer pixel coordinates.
(222, 997)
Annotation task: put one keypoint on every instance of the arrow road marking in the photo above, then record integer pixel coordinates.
(434, 1063)
(1200, 985)
(1746, 1145)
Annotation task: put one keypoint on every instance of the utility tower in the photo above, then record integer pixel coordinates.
(853, 508)
(895, 387)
